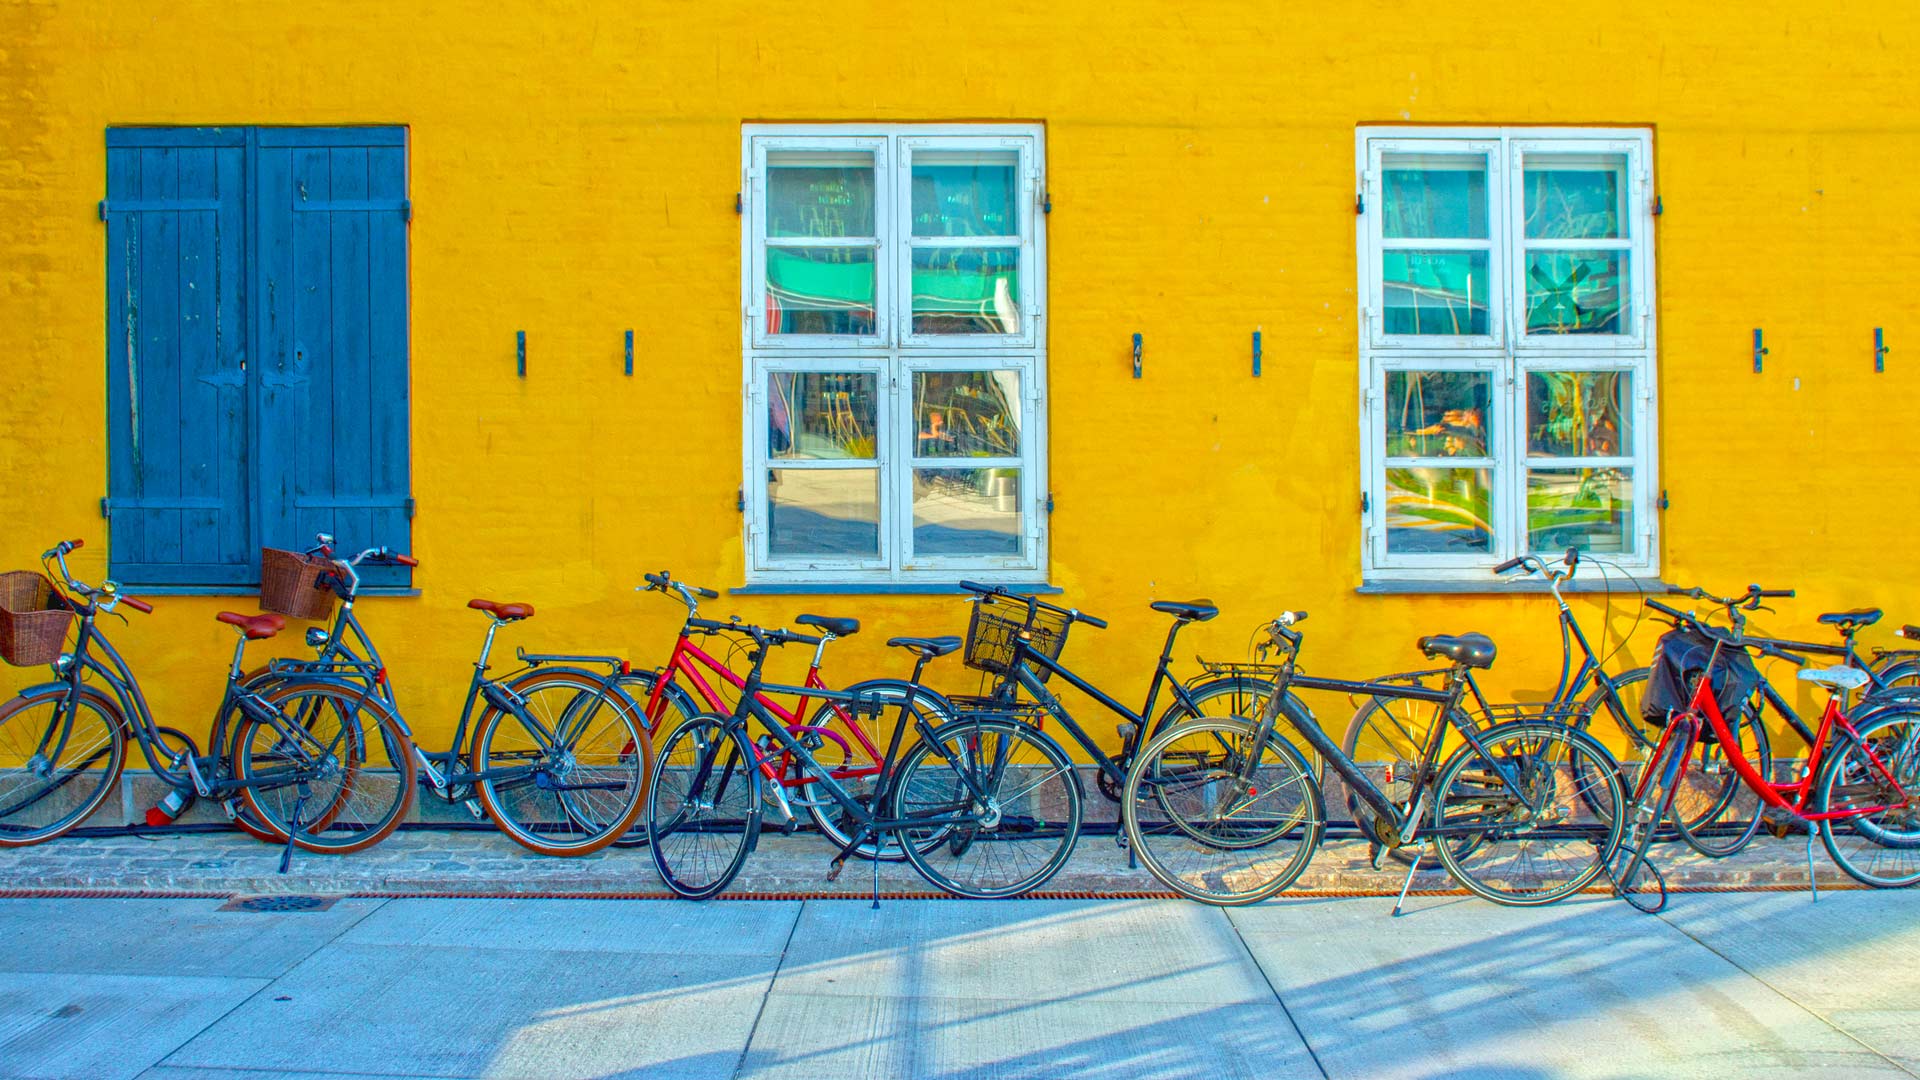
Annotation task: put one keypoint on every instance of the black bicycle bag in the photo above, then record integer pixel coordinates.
(1680, 659)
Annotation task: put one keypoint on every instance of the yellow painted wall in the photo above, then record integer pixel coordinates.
(573, 170)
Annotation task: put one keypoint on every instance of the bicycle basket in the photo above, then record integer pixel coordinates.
(290, 584)
(34, 619)
(991, 635)
(1679, 660)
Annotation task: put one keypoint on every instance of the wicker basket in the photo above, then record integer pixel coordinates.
(34, 619)
(290, 584)
(996, 627)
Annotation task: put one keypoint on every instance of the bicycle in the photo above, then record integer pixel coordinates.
(319, 763)
(1866, 774)
(834, 731)
(1000, 796)
(556, 757)
(1523, 813)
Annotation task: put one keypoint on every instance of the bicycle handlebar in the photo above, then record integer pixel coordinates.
(1534, 563)
(991, 593)
(109, 589)
(663, 582)
(759, 634)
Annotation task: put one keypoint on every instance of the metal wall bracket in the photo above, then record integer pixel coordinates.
(1136, 355)
(1662, 502)
(739, 207)
(1880, 350)
(629, 352)
(1759, 351)
(740, 499)
(1256, 354)
(1046, 202)
(1049, 502)
(106, 507)
(520, 351)
(1359, 204)
(1658, 207)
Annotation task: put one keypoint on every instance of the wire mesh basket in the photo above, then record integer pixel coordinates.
(34, 619)
(290, 584)
(996, 629)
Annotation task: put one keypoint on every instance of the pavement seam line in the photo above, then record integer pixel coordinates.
(1300, 1034)
(739, 1066)
(1797, 1003)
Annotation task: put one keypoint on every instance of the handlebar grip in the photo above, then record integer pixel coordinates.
(1573, 557)
(1679, 590)
(1509, 564)
(1909, 631)
(75, 545)
(658, 581)
(779, 637)
(406, 560)
(984, 590)
(1784, 594)
(1097, 624)
(1665, 610)
(707, 594)
(137, 604)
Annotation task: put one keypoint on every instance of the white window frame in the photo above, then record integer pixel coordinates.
(894, 353)
(1506, 351)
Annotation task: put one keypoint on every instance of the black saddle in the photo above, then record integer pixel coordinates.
(1473, 650)
(836, 627)
(1860, 616)
(928, 647)
(1187, 610)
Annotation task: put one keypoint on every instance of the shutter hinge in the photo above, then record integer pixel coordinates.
(1359, 203)
(1366, 503)
(406, 210)
(739, 205)
(407, 507)
(1049, 502)
(106, 507)
(103, 209)
(1662, 501)
(1658, 207)
(740, 499)
(1046, 202)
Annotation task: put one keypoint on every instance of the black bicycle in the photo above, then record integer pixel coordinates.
(1525, 812)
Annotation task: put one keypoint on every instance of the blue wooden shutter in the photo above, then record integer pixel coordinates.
(332, 270)
(177, 402)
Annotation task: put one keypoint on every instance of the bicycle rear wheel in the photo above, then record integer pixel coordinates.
(1544, 803)
(56, 766)
(1389, 736)
(831, 737)
(1236, 697)
(1878, 847)
(703, 807)
(1715, 811)
(1216, 825)
(570, 777)
(1005, 797)
(331, 767)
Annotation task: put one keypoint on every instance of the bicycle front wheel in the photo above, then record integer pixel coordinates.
(1544, 803)
(703, 807)
(57, 765)
(1716, 812)
(1218, 820)
(329, 766)
(1635, 879)
(568, 777)
(1003, 795)
(849, 741)
(1877, 777)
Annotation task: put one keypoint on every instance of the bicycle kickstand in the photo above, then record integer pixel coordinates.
(293, 829)
(1419, 853)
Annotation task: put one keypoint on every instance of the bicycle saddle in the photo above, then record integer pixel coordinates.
(1865, 616)
(256, 627)
(1837, 677)
(1186, 610)
(1473, 650)
(503, 612)
(928, 647)
(836, 627)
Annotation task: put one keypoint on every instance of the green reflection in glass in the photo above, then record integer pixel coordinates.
(966, 290)
(1569, 202)
(820, 416)
(966, 511)
(966, 194)
(1591, 509)
(830, 197)
(1427, 203)
(1437, 413)
(820, 290)
(966, 413)
(1439, 511)
(1576, 292)
(1578, 413)
(1436, 292)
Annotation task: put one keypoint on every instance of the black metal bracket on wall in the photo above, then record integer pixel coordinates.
(1136, 355)
(520, 351)
(629, 352)
(1880, 350)
(1759, 351)
(1256, 354)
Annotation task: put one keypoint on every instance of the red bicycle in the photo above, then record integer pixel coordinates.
(836, 732)
(1859, 787)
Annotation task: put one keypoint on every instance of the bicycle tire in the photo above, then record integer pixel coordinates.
(827, 814)
(676, 707)
(28, 783)
(1242, 696)
(703, 806)
(1511, 863)
(1036, 823)
(1213, 854)
(597, 740)
(1635, 879)
(366, 769)
(1376, 731)
(1715, 811)
(1892, 836)
(236, 808)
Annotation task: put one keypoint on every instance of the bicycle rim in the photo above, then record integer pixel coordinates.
(703, 806)
(56, 770)
(574, 789)
(1880, 848)
(337, 763)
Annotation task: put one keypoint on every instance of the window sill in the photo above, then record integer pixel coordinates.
(881, 588)
(1532, 583)
(245, 590)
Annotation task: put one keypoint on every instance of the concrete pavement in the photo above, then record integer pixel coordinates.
(1721, 985)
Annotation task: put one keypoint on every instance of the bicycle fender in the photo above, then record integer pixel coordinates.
(46, 690)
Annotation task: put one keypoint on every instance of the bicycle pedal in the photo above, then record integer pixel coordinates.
(1374, 850)
(474, 808)
(1120, 840)
(833, 870)
(1126, 730)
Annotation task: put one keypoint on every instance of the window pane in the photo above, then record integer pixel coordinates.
(956, 194)
(820, 416)
(1579, 413)
(1577, 292)
(966, 413)
(823, 512)
(820, 195)
(1576, 198)
(820, 290)
(1444, 511)
(966, 290)
(1436, 292)
(1591, 509)
(1434, 196)
(966, 511)
(1438, 414)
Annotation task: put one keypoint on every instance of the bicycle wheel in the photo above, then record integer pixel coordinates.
(570, 777)
(1389, 735)
(1004, 795)
(56, 765)
(1235, 696)
(1215, 824)
(332, 767)
(1635, 879)
(850, 744)
(1878, 847)
(1618, 700)
(257, 680)
(676, 707)
(1714, 810)
(1539, 839)
(703, 806)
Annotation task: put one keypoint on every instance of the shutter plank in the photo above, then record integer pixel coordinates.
(352, 386)
(277, 370)
(390, 457)
(312, 465)
(126, 535)
(156, 368)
